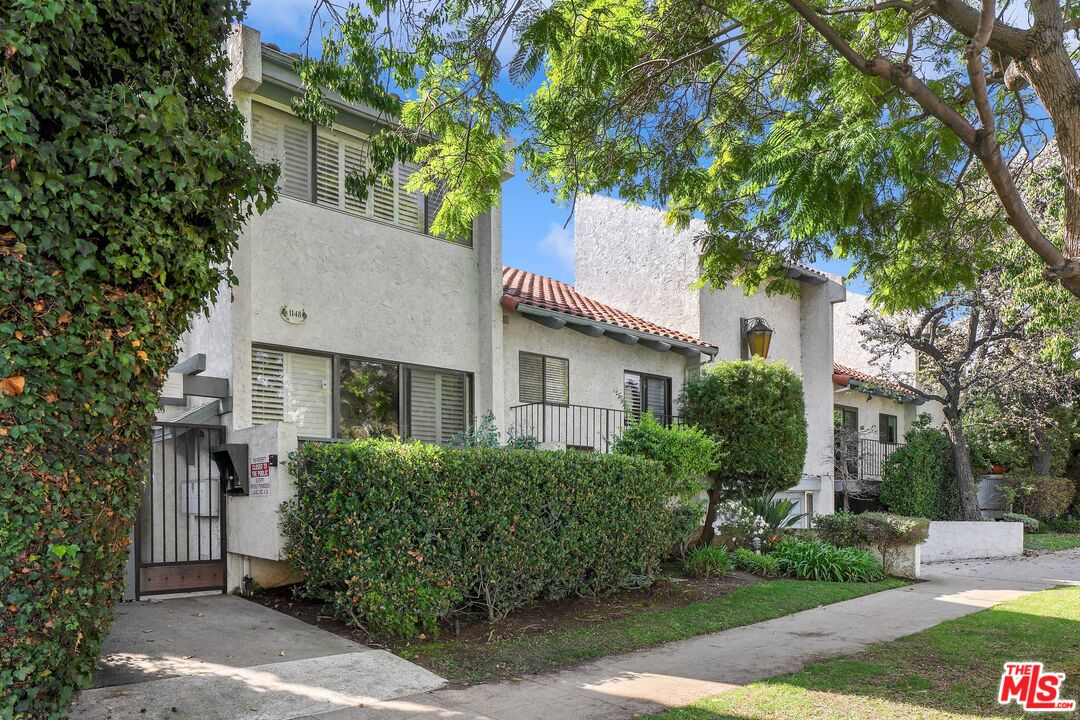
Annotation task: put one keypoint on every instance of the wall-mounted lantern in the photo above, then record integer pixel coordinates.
(757, 334)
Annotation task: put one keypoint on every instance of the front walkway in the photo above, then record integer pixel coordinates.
(680, 673)
(219, 657)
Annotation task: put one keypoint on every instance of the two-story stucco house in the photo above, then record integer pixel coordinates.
(351, 320)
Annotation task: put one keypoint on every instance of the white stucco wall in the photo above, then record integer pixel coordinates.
(596, 364)
(629, 257)
(870, 406)
(369, 289)
(966, 540)
(253, 528)
(851, 349)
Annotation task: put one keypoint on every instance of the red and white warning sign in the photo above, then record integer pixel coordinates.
(259, 475)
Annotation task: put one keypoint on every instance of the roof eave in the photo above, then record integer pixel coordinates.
(594, 328)
(887, 393)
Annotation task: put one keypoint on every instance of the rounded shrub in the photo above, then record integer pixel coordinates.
(840, 529)
(918, 479)
(754, 411)
(751, 562)
(686, 453)
(1031, 525)
(707, 562)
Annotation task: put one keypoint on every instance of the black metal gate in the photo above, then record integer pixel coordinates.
(180, 528)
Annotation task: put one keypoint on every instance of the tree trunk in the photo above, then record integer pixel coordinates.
(965, 478)
(1041, 453)
(707, 532)
(1053, 77)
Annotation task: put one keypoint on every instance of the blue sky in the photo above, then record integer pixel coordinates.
(534, 236)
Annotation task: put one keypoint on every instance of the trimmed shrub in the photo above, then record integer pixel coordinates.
(707, 562)
(762, 565)
(398, 536)
(755, 413)
(840, 529)
(1041, 497)
(686, 453)
(1062, 525)
(888, 534)
(1031, 525)
(125, 181)
(815, 560)
(918, 479)
(885, 532)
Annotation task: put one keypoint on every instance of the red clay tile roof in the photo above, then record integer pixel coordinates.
(544, 292)
(868, 379)
(812, 271)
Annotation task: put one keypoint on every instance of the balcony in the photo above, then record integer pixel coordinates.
(578, 427)
(860, 460)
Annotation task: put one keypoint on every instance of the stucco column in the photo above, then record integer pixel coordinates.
(488, 393)
(816, 310)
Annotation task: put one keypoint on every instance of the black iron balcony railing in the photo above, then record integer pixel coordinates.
(580, 427)
(863, 460)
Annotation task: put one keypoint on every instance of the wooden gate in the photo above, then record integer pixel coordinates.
(180, 528)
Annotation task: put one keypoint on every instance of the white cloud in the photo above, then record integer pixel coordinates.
(559, 244)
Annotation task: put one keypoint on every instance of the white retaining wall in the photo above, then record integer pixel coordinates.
(968, 540)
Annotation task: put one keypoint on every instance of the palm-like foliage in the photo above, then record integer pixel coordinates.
(777, 514)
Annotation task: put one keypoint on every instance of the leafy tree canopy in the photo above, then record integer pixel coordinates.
(895, 133)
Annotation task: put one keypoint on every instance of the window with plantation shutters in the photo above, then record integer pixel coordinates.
(543, 378)
(409, 204)
(432, 205)
(291, 387)
(437, 405)
(267, 386)
(277, 137)
(643, 393)
(338, 156)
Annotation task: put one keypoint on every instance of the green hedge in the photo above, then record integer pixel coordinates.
(398, 536)
(1041, 497)
(125, 181)
(918, 479)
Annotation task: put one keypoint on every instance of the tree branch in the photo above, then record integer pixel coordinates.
(979, 91)
(1011, 41)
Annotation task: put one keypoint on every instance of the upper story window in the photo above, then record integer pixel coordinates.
(543, 379)
(888, 428)
(643, 392)
(314, 165)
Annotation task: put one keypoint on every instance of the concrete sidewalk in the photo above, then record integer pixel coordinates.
(219, 657)
(680, 673)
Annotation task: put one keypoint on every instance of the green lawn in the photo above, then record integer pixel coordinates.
(1052, 541)
(949, 671)
(472, 662)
